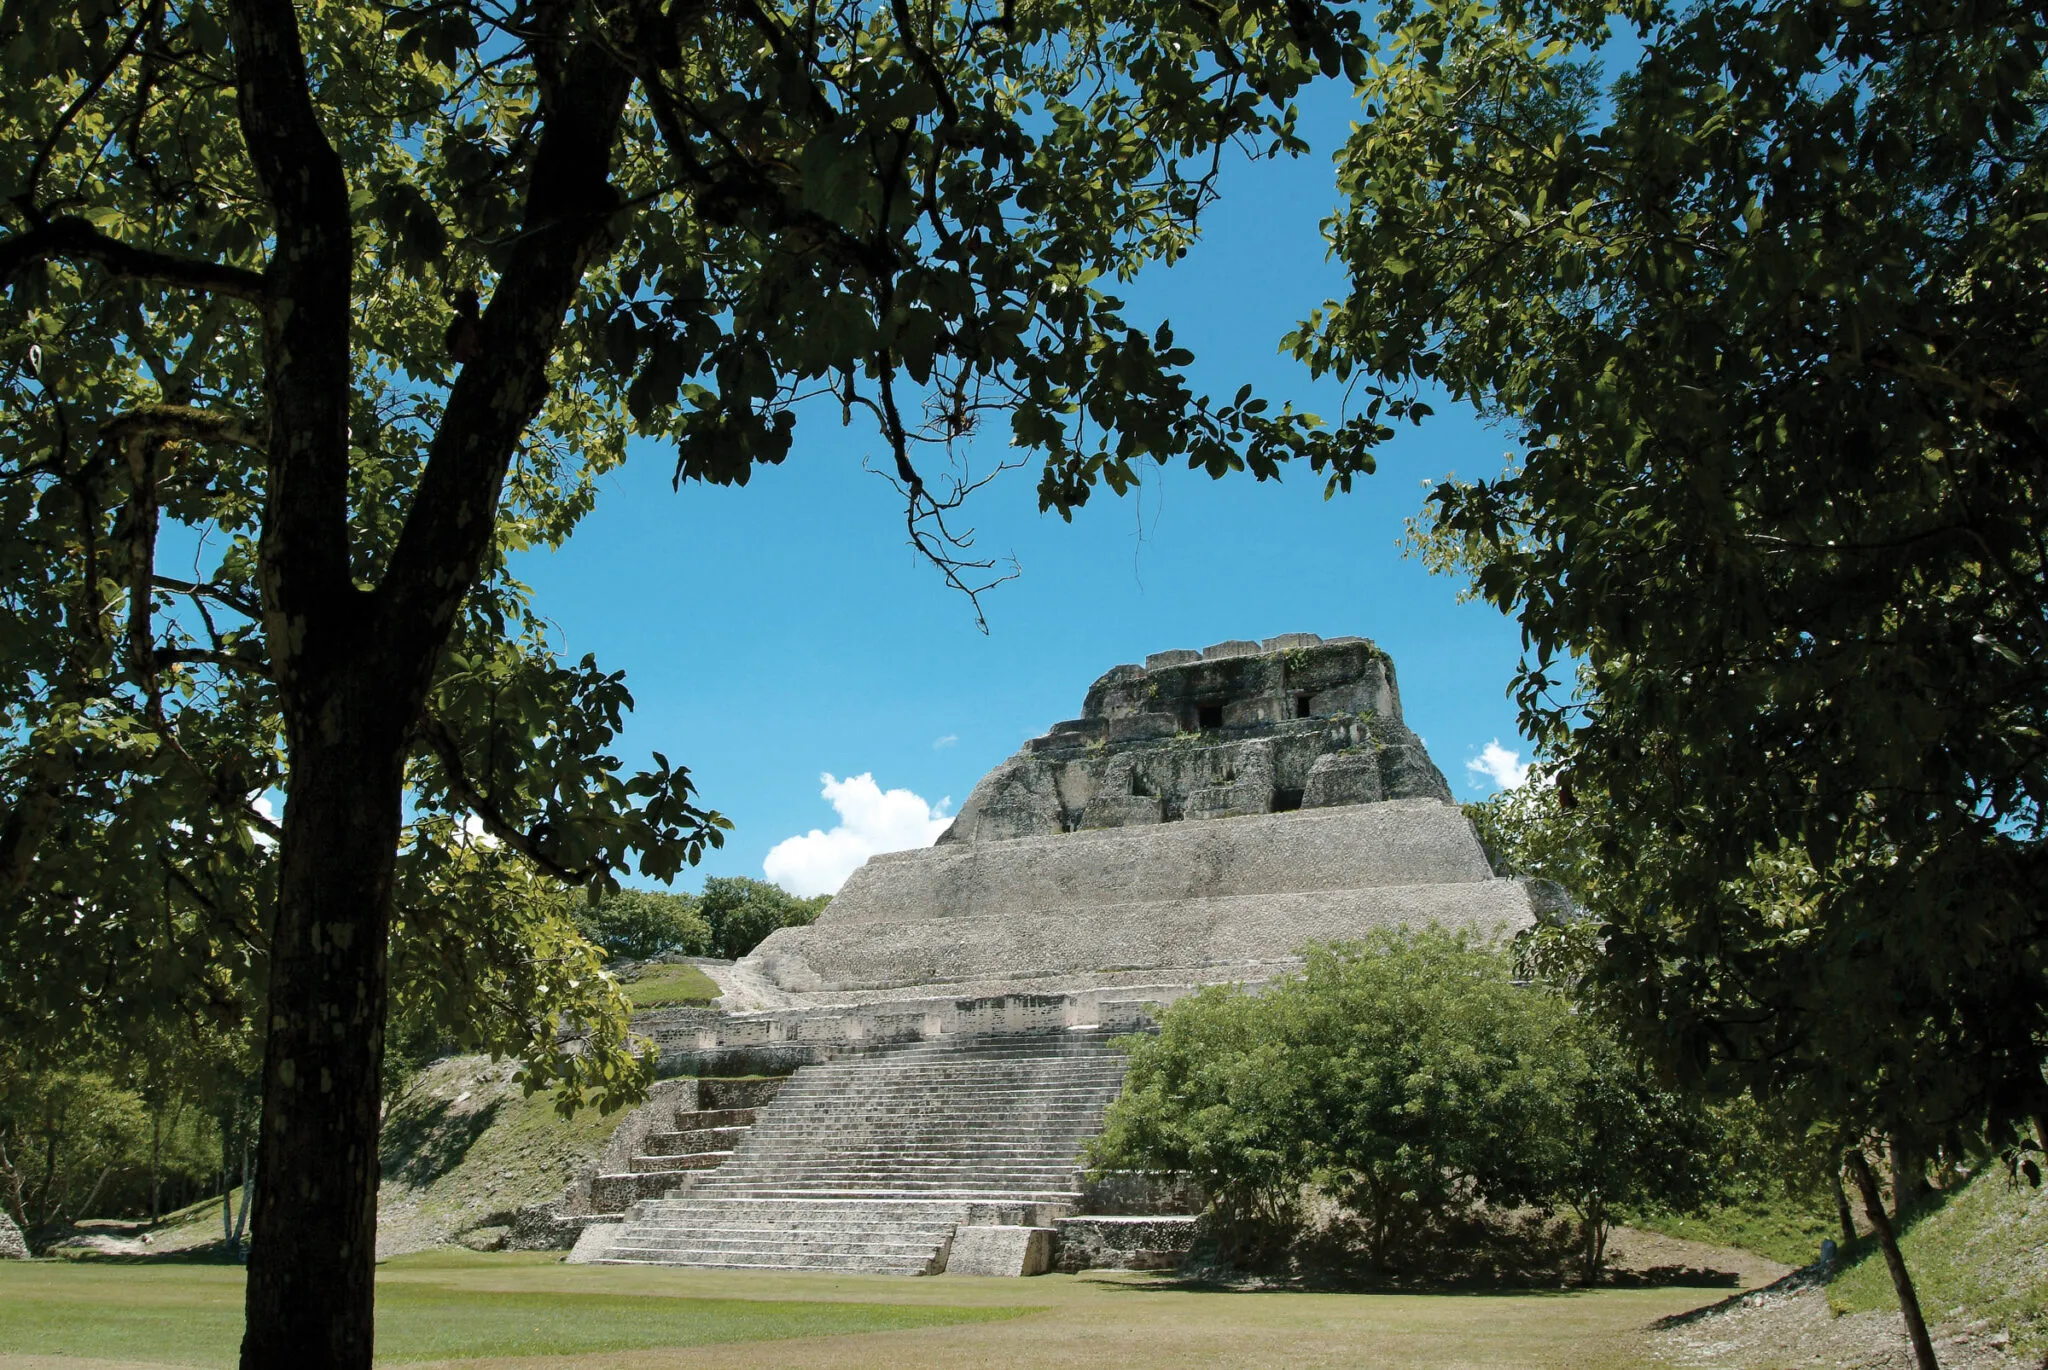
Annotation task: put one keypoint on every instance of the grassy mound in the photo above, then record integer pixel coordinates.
(1784, 1232)
(670, 986)
(1977, 1254)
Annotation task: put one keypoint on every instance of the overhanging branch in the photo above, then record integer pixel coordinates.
(71, 238)
(449, 752)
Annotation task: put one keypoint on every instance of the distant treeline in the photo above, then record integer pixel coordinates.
(729, 919)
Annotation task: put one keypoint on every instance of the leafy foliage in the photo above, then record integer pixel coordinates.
(633, 925)
(742, 912)
(1766, 315)
(1409, 1076)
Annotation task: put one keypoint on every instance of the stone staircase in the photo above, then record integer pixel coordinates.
(683, 1142)
(869, 1163)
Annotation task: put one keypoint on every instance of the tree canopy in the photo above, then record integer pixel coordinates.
(318, 313)
(1764, 314)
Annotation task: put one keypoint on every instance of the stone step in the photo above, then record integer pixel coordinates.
(676, 1165)
(869, 1163)
(864, 1265)
(1061, 1197)
(692, 1119)
(694, 1141)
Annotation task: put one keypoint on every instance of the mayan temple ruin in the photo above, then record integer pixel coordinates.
(948, 1018)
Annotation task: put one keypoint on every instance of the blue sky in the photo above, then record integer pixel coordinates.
(783, 631)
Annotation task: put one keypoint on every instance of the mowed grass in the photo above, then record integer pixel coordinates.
(667, 986)
(427, 1309)
(500, 1310)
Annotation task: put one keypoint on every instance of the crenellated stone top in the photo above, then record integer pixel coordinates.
(1239, 728)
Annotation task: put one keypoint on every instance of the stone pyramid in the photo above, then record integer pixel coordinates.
(1207, 815)
(950, 1018)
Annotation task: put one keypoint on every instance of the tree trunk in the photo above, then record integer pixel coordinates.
(1909, 1302)
(314, 1238)
(1842, 1213)
(1909, 1178)
(156, 1148)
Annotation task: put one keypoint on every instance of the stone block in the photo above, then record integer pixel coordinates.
(594, 1243)
(727, 1094)
(1008, 1251)
(1124, 1243)
(1179, 657)
(1148, 1193)
(1288, 642)
(12, 1246)
(1017, 799)
(1121, 811)
(1406, 772)
(1231, 801)
(1235, 647)
(1342, 778)
(1143, 727)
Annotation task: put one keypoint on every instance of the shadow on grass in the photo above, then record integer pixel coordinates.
(1222, 1281)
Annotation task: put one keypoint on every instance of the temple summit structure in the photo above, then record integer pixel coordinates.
(948, 1016)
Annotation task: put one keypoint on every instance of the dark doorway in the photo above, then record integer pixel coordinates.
(1209, 717)
(1301, 706)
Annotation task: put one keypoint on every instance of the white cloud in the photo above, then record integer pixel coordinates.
(948, 740)
(871, 820)
(1504, 769)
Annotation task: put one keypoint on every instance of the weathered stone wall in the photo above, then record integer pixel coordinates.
(1240, 728)
(1413, 842)
(1123, 1243)
(1225, 898)
(12, 1246)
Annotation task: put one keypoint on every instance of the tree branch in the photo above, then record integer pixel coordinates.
(449, 752)
(569, 205)
(73, 239)
(305, 554)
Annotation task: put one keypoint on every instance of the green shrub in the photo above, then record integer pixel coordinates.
(1410, 1077)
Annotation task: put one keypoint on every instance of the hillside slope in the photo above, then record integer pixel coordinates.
(1979, 1258)
(464, 1150)
(1979, 1262)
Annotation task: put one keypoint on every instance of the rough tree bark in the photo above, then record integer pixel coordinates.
(1880, 1221)
(353, 664)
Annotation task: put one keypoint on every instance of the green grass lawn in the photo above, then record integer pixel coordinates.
(495, 1311)
(428, 1308)
(669, 986)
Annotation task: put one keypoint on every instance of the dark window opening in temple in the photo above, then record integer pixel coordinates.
(1286, 801)
(1209, 717)
(1301, 706)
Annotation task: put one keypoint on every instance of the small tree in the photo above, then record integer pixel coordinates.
(633, 925)
(1217, 1096)
(1618, 1141)
(740, 913)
